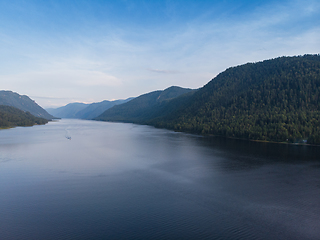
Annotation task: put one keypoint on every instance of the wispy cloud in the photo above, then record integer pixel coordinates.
(108, 59)
(161, 71)
(50, 98)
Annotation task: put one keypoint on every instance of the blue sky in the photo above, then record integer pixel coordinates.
(59, 52)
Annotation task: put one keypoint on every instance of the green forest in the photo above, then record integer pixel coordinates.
(273, 100)
(12, 117)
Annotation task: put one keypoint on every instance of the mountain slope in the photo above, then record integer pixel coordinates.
(95, 109)
(275, 100)
(11, 117)
(272, 100)
(68, 111)
(144, 107)
(84, 111)
(23, 103)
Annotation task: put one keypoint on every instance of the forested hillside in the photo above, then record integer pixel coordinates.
(144, 107)
(273, 100)
(11, 117)
(23, 103)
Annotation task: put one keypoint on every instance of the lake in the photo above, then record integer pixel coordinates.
(77, 179)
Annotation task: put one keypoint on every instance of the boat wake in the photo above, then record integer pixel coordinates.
(68, 136)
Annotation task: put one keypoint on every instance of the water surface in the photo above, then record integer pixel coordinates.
(75, 179)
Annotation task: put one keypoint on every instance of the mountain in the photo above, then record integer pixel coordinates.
(11, 117)
(84, 111)
(273, 100)
(68, 111)
(144, 107)
(95, 109)
(23, 103)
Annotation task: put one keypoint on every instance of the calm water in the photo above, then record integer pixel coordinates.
(125, 181)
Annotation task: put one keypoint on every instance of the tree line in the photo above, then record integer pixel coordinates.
(11, 117)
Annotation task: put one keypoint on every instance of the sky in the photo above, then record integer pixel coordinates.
(58, 52)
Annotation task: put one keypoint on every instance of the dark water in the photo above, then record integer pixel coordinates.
(124, 181)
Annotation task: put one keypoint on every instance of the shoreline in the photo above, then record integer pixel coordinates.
(211, 135)
(263, 141)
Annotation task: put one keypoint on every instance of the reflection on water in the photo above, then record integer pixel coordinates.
(243, 154)
(125, 181)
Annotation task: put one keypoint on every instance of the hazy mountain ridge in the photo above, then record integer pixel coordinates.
(11, 117)
(144, 107)
(274, 100)
(95, 109)
(68, 111)
(84, 111)
(23, 103)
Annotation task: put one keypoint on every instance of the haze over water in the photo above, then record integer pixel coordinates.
(75, 179)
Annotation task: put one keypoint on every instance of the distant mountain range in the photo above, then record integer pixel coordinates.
(68, 111)
(24, 103)
(95, 109)
(274, 100)
(145, 107)
(84, 111)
